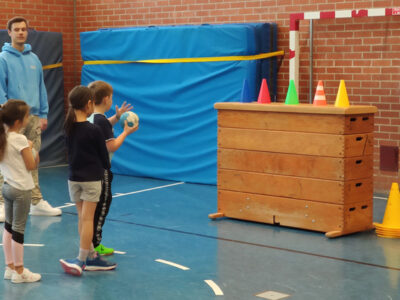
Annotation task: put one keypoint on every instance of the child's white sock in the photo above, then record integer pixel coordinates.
(83, 254)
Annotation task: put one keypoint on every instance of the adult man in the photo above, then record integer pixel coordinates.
(21, 77)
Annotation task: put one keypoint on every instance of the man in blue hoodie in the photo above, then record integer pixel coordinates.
(21, 77)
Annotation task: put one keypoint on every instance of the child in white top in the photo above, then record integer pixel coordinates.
(17, 160)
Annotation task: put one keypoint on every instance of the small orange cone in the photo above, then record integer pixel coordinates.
(341, 99)
(390, 226)
(319, 98)
(263, 96)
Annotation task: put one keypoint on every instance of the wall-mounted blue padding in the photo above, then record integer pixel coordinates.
(168, 42)
(177, 138)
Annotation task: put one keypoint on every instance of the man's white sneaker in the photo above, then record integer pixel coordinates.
(43, 208)
(25, 276)
(2, 213)
(8, 273)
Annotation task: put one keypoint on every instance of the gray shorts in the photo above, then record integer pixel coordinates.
(84, 191)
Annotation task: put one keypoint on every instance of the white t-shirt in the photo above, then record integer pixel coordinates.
(12, 166)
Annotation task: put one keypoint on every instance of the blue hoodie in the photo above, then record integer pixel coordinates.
(21, 77)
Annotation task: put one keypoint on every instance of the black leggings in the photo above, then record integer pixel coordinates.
(103, 206)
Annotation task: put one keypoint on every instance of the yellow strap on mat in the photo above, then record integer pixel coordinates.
(186, 60)
(53, 66)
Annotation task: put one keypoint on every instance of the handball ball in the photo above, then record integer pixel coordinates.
(131, 118)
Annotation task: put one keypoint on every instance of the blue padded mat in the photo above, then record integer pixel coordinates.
(177, 138)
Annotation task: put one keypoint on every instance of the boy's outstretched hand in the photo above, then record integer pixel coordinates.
(124, 108)
(132, 129)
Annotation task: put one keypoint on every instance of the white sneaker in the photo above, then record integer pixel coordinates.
(25, 276)
(8, 273)
(2, 213)
(43, 208)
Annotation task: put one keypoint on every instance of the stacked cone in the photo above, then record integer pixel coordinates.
(319, 98)
(390, 226)
(263, 96)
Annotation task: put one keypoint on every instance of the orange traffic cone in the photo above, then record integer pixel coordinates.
(319, 98)
(390, 226)
(263, 96)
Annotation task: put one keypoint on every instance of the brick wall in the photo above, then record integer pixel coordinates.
(363, 51)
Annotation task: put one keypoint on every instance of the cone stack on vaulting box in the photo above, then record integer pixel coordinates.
(302, 166)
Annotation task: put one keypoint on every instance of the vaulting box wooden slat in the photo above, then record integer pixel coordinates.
(322, 190)
(334, 124)
(312, 215)
(334, 145)
(333, 168)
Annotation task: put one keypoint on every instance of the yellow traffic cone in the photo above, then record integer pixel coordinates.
(390, 226)
(342, 100)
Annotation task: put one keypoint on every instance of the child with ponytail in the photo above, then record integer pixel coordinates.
(17, 160)
(88, 159)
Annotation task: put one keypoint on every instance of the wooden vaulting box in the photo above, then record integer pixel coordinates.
(301, 166)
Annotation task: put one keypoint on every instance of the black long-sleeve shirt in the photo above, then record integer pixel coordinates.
(87, 152)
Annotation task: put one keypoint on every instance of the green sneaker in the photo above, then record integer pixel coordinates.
(102, 250)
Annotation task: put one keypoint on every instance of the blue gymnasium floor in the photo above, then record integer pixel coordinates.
(170, 222)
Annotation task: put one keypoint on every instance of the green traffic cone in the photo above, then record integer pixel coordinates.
(291, 96)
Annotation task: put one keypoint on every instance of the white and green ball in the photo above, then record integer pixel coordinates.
(131, 118)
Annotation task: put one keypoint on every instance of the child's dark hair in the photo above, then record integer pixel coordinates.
(78, 98)
(10, 112)
(100, 90)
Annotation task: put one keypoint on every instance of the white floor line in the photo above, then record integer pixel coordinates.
(56, 166)
(172, 264)
(120, 252)
(67, 205)
(146, 190)
(214, 287)
(380, 198)
(31, 245)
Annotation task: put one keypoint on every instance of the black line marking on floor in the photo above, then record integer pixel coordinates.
(253, 244)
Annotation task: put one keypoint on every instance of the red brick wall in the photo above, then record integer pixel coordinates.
(363, 51)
